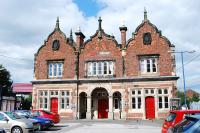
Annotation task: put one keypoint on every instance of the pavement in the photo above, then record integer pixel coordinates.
(106, 126)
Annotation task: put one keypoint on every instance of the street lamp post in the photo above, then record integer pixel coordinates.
(184, 86)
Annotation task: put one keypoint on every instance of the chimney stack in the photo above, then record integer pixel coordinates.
(123, 30)
(79, 38)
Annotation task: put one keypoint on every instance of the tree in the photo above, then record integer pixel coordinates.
(5, 82)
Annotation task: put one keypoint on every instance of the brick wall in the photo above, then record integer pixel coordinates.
(46, 53)
(159, 45)
(101, 49)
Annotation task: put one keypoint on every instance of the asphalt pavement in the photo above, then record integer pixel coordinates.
(106, 126)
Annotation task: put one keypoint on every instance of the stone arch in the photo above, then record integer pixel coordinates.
(99, 103)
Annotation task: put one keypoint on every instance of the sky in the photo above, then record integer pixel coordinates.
(25, 24)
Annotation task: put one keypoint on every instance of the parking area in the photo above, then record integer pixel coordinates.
(106, 126)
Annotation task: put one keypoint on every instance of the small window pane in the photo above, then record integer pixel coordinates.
(133, 103)
(146, 91)
(152, 91)
(105, 68)
(139, 102)
(94, 68)
(139, 92)
(160, 102)
(165, 91)
(133, 92)
(148, 66)
(166, 102)
(159, 91)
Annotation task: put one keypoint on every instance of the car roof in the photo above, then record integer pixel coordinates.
(185, 111)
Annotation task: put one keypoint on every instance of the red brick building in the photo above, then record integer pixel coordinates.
(102, 79)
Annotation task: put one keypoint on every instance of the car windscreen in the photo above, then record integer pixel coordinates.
(171, 117)
(185, 124)
(47, 112)
(12, 115)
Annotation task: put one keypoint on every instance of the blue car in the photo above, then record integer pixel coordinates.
(43, 123)
(190, 124)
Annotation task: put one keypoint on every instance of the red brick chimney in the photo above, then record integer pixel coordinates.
(79, 38)
(123, 30)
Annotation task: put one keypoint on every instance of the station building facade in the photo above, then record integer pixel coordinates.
(102, 79)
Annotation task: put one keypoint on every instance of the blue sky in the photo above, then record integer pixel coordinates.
(24, 29)
(88, 7)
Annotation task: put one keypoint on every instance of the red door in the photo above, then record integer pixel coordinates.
(102, 108)
(150, 107)
(54, 105)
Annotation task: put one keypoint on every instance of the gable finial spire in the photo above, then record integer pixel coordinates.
(57, 24)
(145, 14)
(71, 37)
(100, 23)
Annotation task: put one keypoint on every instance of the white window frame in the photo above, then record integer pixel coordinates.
(66, 98)
(43, 99)
(136, 96)
(55, 69)
(100, 68)
(144, 65)
(163, 95)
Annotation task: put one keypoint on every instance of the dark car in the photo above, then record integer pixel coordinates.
(42, 123)
(190, 124)
(46, 114)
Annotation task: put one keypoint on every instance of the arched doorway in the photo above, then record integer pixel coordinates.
(82, 105)
(99, 103)
(150, 107)
(117, 105)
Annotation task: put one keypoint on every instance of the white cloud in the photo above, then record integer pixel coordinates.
(23, 28)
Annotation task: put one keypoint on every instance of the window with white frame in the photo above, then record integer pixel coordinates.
(65, 99)
(163, 98)
(100, 68)
(43, 95)
(55, 69)
(136, 99)
(148, 65)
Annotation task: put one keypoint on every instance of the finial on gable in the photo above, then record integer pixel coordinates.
(145, 14)
(57, 23)
(100, 23)
(71, 40)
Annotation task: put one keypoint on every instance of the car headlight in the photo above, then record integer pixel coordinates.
(47, 121)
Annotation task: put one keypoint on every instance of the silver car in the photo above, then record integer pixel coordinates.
(15, 124)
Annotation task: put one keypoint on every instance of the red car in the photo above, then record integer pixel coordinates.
(175, 117)
(46, 114)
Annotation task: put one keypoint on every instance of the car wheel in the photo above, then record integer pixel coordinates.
(16, 130)
(39, 127)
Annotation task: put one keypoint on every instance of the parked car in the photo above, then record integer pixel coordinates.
(13, 123)
(42, 123)
(46, 114)
(2, 130)
(190, 124)
(175, 117)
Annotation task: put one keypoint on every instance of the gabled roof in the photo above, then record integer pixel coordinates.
(146, 21)
(100, 32)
